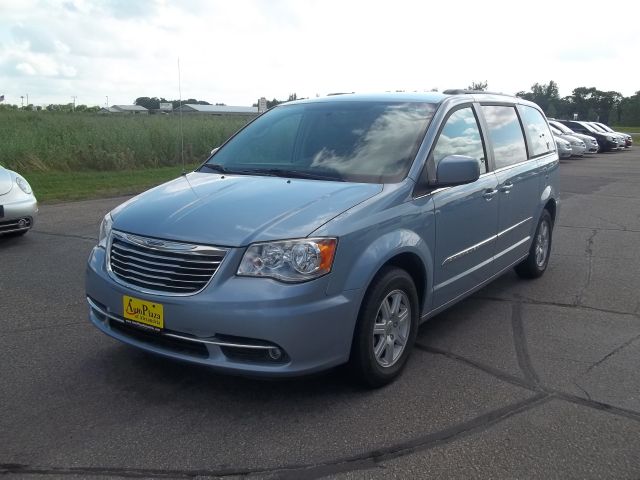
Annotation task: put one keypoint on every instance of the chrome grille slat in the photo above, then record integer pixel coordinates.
(165, 267)
(152, 254)
(158, 264)
(155, 270)
(143, 275)
(9, 226)
(154, 283)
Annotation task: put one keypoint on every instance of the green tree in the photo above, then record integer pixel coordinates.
(482, 86)
(630, 110)
(543, 95)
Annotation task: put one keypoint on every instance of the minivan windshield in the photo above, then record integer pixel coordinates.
(353, 141)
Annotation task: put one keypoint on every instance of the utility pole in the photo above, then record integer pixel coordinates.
(107, 97)
(74, 102)
(22, 101)
(27, 99)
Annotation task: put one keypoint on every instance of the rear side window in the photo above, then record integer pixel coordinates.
(460, 136)
(505, 134)
(538, 131)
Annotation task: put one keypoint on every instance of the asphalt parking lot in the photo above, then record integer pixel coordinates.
(526, 379)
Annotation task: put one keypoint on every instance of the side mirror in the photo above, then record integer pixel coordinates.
(457, 170)
(214, 150)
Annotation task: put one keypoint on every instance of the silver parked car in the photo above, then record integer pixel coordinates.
(564, 147)
(18, 204)
(327, 230)
(577, 146)
(589, 141)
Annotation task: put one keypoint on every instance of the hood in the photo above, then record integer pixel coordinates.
(6, 181)
(570, 138)
(583, 137)
(234, 211)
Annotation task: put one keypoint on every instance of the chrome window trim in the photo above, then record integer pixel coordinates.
(219, 343)
(166, 246)
(524, 162)
(475, 247)
(491, 172)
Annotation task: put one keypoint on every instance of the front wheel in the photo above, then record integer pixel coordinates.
(536, 263)
(386, 329)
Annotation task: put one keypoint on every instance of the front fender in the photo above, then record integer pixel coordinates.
(370, 259)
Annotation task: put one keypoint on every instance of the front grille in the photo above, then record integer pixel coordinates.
(162, 266)
(16, 225)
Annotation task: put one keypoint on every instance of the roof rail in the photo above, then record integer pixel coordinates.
(464, 91)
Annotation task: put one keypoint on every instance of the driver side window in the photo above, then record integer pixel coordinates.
(461, 136)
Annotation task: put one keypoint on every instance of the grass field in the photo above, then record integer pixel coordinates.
(627, 129)
(64, 186)
(77, 156)
(65, 142)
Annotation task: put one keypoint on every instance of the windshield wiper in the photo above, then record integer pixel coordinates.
(216, 167)
(283, 172)
(242, 171)
(271, 172)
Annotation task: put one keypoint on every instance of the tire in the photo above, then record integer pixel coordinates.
(378, 357)
(536, 263)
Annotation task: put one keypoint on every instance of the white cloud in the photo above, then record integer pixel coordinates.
(25, 68)
(235, 52)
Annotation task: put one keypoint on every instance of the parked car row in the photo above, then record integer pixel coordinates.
(596, 137)
(578, 143)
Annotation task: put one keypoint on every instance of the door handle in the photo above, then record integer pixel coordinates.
(506, 187)
(489, 193)
(545, 170)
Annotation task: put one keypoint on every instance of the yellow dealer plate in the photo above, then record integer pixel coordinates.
(143, 313)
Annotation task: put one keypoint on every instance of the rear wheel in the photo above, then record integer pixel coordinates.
(536, 263)
(386, 329)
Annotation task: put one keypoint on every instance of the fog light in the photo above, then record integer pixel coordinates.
(22, 223)
(275, 353)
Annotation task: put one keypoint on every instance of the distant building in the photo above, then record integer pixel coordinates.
(194, 108)
(130, 109)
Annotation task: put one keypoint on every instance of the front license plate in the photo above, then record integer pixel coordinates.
(148, 315)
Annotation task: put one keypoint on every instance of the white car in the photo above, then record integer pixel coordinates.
(622, 140)
(590, 142)
(577, 145)
(628, 138)
(18, 204)
(563, 146)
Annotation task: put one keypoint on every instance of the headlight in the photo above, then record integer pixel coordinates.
(610, 139)
(290, 260)
(23, 184)
(105, 230)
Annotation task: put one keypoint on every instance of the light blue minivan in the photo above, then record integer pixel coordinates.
(326, 230)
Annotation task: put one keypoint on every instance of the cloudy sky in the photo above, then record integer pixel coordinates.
(235, 51)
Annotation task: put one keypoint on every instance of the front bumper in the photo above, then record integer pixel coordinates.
(18, 211)
(578, 150)
(234, 322)
(562, 153)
